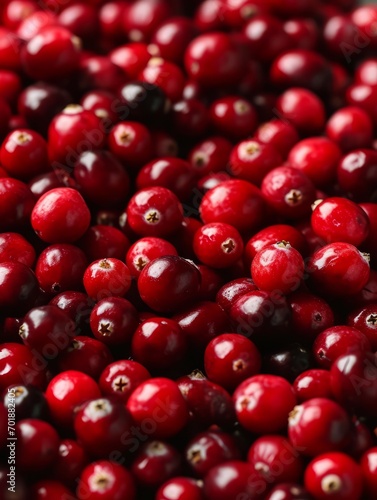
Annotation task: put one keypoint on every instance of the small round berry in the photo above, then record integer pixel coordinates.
(105, 480)
(107, 278)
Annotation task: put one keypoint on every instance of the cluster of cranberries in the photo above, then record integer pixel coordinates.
(188, 249)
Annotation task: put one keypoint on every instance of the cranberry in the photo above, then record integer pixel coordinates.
(164, 144)
(304, 33)
(10, 49)
(107, 278)
(16, 204)
(36, 22)
(263, 402)
(288, 361)
(76, 305)
(350, 128)
(16, 11)
(190, 118)
(180, 488)
(19, 288)
(209, 15)
(111, 20)
(314, 383)
(20, 366)
(68, 391)
(101, 102)
(103, 242)
(146, 249)
(365, 72)
(288, 491)
(132, 59)
(81, 20)
(334, 474)
(158, 407)
(356, 173)
(232, 291)
(47, 488)
(166, 75)
(363, 18)
(172, 37)
(99, 72)
(231, 480)
(278, 133)
(361, 439)
(368, 467)
(28, 401)
(364, 319)
(210, 155)
(233, 117)
(120, 378)
(105, 480)
(143, 17)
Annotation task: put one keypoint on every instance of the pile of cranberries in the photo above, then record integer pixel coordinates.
(188, 250)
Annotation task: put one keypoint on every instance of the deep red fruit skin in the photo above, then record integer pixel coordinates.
(120, 378)
(131, 144)
(338, 269)
(338, 219)
(318, 426)
(106, 480)
(334, 471)
(77, 306)
(356, 174)
(20, 366)
(233, 117)
(350, 128)
(180, 488)
(364, 319)
(368, 468)
(159, 399)
(48, 488)
(16, 204)
(60, 216)
(263, 402)
(232, 291)
(102, 242)
(168, 283)
(279, 134)
(313, 383)
(14, 247)
(107, 278)
(70, 462)
(19, 288)
(288, 491)
(171, 38)
(146, 249)
(68, 391)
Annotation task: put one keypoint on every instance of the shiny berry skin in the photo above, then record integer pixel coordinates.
(158, 406)
(334, 475)
(114, 320)
(105, 480)
(146, 249)
(210, 155)
(20, 366)
(142, 18)
(23, 154)
(350, 128)
(318, 426)
(338, 269)
(66, 392)
(180, 488)
(229, 359)
(130, 143)
(77, 306)
(60, 216)
(233, 479)
(356, 173)
(233, 117)
(102, 242)
(368, 467)
(100, 425)
(19, 288)
(155, 463)
(159, 343)
(27, 400)
(168, 283)
(141, 101)
(81, 20)
(154, 211)
(172, 37)
(288, 491)
(16, 204)
(272, 453)
(338, 219)
(214, 60)
(190, 118)
(365, 72)
(232, 291)
(166, 75)
(235, 202)
(218, 245)
(279, 134)
(16, 11)
(364, 319)
(14, 247)
(314, 383)
(263, 402)
(288, 192)
(47, 488)
(336, 341)
(107, 278)
(120, 378)
(278, 267)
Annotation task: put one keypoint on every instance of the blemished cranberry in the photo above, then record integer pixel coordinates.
(338, 269)
(263, 402)
(172, 37)
(66, 392)
(317, 426)
(16, 204)
(60, 268)
(81, 20)
(158, 407)
(190, 118)
(202, 322)
(108, 421)
(29, 402)
(288, 491)
(303, 109)
(180, 488)
(232, 291)
(143, 17)
(19, 288)
(120, 378)
(278, 133)
(103, 242)
(289, 192)
(338, 219)
(368, 467)
(233, 117)
(146, 249)
(333, 474)
(60, 216)
(20, 366)
(48, 488)
(106, 480)
(351, 128)
(235, 202)
(356, 173)
(210, 155)
(288, 361)
(155, 463)
(168, 283)
(107, 278)
(214, 60)
(336, 341)
(278, 267)
(364, 319)
(210, 448)
(314, 383)
(37, 444)
(229, 359)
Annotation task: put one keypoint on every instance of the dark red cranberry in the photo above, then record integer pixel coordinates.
(232, 291)
(142, 101)
(45, 182)
(288, 361)
(106, 278)
(48, 488)
(146, 249)
(278, 133)
(20, 366)
(190, 118)
(314, 383)
(164, 144)
(19, 288)
(81, 20)
(77, 306)
(14, 247)
(211, 282)
(288, 491)
(66, 392)
(368, 467)
(103, 242)
(364, 319)
(303, 33)
(233, 117)
(28, 401)
(350, 128)
(356, 174)
(263, 402)
(132, 58)
(361, 439)
(210, 155)
(209, 15)
(339, 36)
(99, 72)
(166, 75)
(180, 488)
(172, 37)
(168, 283)
(16, 204)
(143, 17)
(120, 378)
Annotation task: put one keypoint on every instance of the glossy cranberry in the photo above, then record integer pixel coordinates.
(99, 72)
(350, 128)
(121, 378)
(232, 291)
(105, 480)
(365, 73)
(208, 403)
(66, 392)
(233, 117)
(314, 383)
(363, 17)
(364, 319)
(36, 22)
(14, 247)
(303, 33)
(202, 322)
(289, 192)
(364, 97)
(180, 488)
(16, 204)
(81, 20)
(361, 439)
(190, 118)
(158, 407)
(106, 278)
(288, 361)
(172, 37)
(278, 133)
(100, 426)
(51, 54)
(17, 10)
(146, 249)
(210, 155)
(111, 20)
(288, 491)
(10, 48)
(168, 283)
(333, 474)
(368, 467)
(263, 402)
(102, 242)
(231, 479)
(235, 202)
(356, 173)
(19, 288)
(209, 15)
(213, 60)
(103, 104)
(143, 17)
(28, 401)
(338, 269)
(229, 359)
(37, 445)
(166, 75)
(76, 305)
(132, 59)
(142, 101)
(48, 488)
(340, 36)
(303, 109)
(155, 463)
(20, 366)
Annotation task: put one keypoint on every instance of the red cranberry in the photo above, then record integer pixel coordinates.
(364, 319)
(16, 204)
(10, 49)
(364, 18)
(209, 15)
(28, 401)
(180, 488)
(146, 249)
(166, 75)
(99, 72)
(232, 291)
(36, 22)
(107, 278)
(172, 37)
(142, 18)
(101, 102)
(233, 117)
(76, 305)
(368, 467)
(121, 378)
(111, 20)
(278, 133)
(190, 118)
(350, 128)
(365, 73)
(314, 383)
(356, 173)
(210, 155)
(19, 288)
(47, 488)
(304, 33)
(288, 491)
(20, 366)
(17, 10)
(103, 242)
(81, 20)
